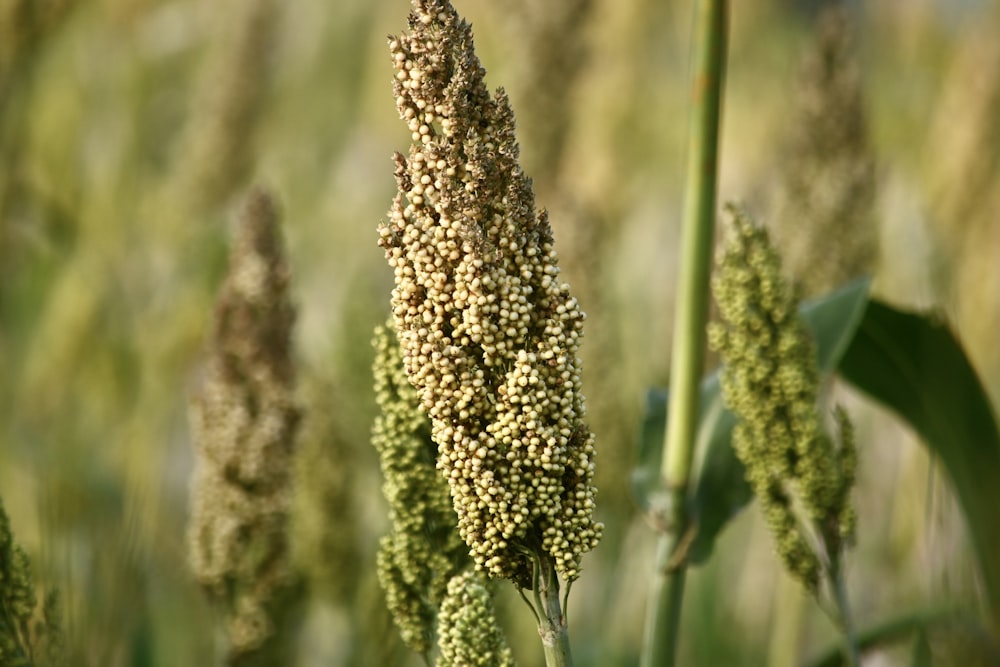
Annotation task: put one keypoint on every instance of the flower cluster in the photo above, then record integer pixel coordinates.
(244, 422)
(771, 382)
(423, 550)
(469, 635)
(489, 333)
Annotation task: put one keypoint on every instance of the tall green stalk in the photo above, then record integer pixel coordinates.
(663, 616)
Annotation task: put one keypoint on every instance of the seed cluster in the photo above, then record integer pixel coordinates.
(771, 382)
(469, 635)
(489, 334)
(423, 549)
(244, 422)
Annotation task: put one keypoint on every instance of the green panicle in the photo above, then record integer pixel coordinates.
(771, 382)
(423, 549)
(469, 635)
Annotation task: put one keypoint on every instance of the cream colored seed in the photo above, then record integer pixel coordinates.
(481, 288)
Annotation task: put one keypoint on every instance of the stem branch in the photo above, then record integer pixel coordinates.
(846, 622)
(552, 626)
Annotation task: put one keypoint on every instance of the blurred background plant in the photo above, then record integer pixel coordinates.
(244, 422)
(27, 635)
(129, 128)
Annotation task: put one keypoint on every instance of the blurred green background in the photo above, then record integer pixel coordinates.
(130, 130)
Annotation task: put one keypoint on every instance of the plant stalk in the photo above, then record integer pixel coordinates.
(851, 654)
(552, 618)
(664, 610)
(687, 360)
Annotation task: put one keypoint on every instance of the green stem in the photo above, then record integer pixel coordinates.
(687, 360)
(851, 654)
(688, 356)
(664, 610)
(552, 625)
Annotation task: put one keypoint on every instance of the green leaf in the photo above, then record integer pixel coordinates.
(913, 364)
(720, 490)
(647, 488)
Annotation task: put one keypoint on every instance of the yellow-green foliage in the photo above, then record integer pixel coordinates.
(218, 148)
(325, 515)
(962, 177)
(825, 218)
(113, 244)
(555, 51)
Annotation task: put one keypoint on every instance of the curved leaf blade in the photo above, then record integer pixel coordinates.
(912, 363)
(644, 481)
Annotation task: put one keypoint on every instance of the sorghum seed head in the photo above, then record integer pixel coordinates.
(468, 632)
(490, 336)
(771, 382)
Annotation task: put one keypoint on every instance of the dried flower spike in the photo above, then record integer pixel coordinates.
(771, 382)
(490, 336)
(244, 422)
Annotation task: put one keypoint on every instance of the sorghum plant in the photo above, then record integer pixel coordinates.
(770, 380)
(244, 421)
(489, 334)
